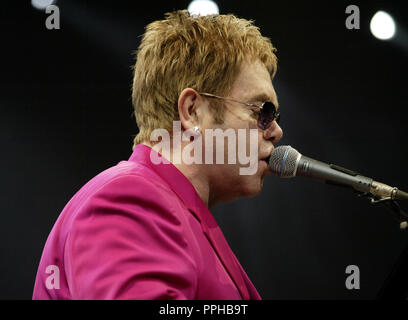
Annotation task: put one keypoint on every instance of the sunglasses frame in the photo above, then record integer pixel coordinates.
(252, 106)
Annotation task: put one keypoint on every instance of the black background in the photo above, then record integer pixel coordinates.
(66, 115)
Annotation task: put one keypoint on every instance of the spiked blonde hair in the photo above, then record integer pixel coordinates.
(200, 52)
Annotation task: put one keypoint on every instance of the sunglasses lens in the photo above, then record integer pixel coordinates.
(267, 115)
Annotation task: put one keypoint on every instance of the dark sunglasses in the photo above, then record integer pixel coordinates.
(266, 113)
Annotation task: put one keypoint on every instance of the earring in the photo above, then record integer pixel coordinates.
(196, 133)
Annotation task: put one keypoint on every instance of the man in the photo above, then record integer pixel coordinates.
(142, 229)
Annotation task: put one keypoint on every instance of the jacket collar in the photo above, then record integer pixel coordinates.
(187, 193)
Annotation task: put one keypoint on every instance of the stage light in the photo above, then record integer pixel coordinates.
(203, 7)
(41, 4)
(382, 26)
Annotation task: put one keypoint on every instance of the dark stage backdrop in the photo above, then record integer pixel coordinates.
(65, 115)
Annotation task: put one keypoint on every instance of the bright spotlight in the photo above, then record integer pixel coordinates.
(42, 4)
(382, 26)
(203, 7)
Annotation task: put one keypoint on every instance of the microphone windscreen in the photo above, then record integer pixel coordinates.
(283, 161)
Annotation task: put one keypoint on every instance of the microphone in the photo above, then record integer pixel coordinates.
(287, 162)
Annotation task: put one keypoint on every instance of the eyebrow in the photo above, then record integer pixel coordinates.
(263, 97)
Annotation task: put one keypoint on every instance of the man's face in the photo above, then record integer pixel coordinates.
(252, 85)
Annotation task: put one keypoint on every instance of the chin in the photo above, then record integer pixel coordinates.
(242, 186)
(254, 187)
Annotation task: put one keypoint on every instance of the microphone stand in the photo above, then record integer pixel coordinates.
(395, 286)
(400, 215)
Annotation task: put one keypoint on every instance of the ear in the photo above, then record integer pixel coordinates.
(188, 104)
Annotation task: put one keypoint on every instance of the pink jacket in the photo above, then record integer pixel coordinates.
(139, 231)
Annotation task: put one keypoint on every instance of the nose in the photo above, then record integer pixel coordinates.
(273, 133)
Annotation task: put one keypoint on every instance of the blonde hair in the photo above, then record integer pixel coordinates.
(200, 52)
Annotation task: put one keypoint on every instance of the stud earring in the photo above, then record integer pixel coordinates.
(196, 128)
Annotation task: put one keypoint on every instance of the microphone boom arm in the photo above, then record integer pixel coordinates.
(287, 162)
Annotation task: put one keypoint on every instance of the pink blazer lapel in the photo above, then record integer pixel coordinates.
(224, 253)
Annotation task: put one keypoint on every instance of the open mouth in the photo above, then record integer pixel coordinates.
(266, 159)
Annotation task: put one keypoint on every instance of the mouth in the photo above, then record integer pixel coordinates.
(266, 164)
(266, 160)
(266, 157)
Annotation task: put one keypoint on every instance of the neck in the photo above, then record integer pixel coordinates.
(195, 173)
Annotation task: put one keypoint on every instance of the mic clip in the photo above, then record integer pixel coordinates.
(400, 215)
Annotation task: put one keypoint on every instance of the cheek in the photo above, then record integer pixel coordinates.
(260, 138)
(253, 141)
(240, 142)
